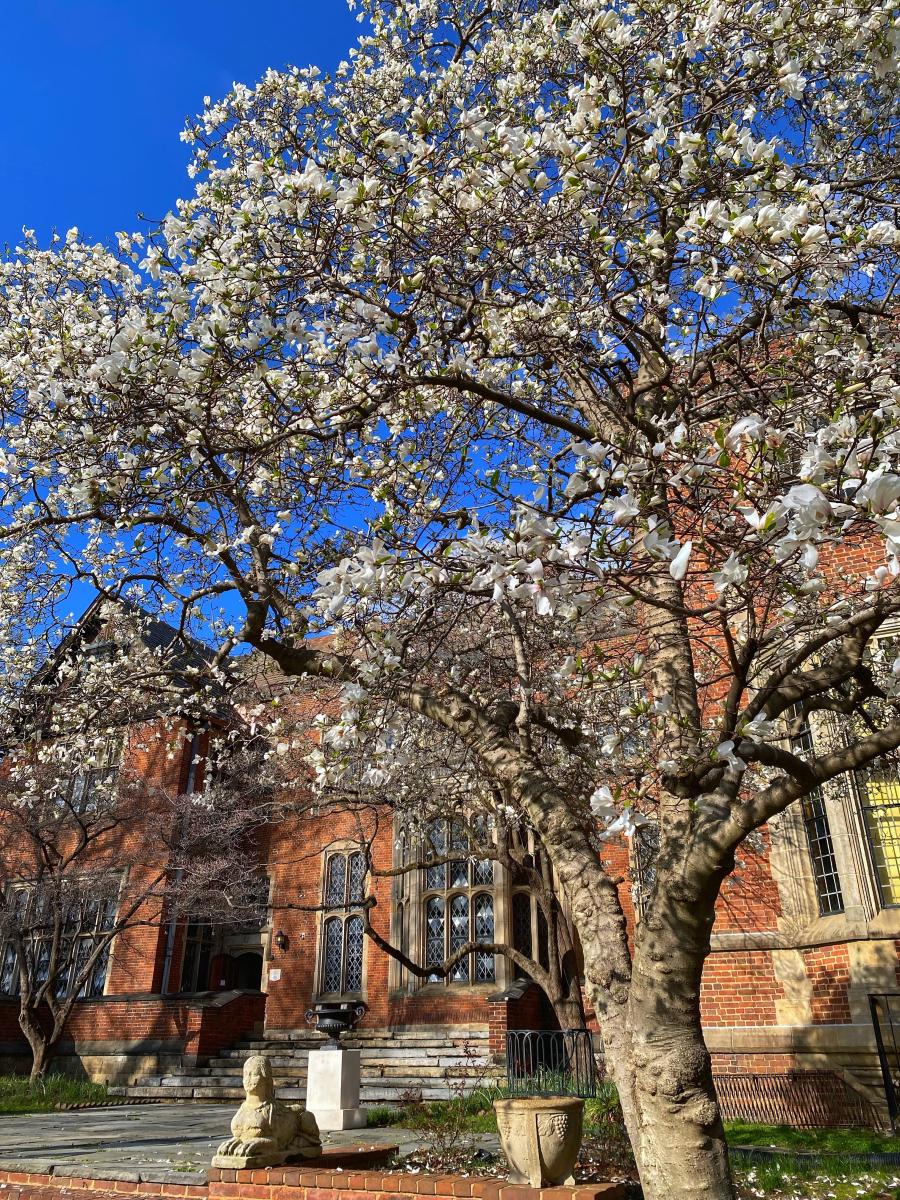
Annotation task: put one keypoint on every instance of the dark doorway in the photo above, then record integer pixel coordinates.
(246, 971)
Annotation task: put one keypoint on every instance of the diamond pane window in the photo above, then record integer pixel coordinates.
(483, 873)
(354, 954)
(436, 876)
(458, 916)
(9, 971)
(434, 933)
(336, 879)
(342, 939)
(459, 874)
(334, 945)
(459, 935)
(357, 876)
(485, 970)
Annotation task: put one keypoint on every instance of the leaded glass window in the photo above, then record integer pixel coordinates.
(9, 971)
(343, 931)
(459, 935)
(434, 933)
(334, 948)
(336, 879)
(483, 922)
(353, 929)
(457, 915)
(356, 878)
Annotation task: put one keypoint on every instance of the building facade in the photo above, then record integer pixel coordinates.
(808, 929)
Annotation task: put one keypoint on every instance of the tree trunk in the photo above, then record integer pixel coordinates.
(569, 1012)
(677, 1127)
(42, 1047)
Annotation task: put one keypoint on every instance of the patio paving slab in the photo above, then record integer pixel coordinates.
(149, 1143)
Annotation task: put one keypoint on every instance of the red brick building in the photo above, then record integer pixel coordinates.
(807, 928)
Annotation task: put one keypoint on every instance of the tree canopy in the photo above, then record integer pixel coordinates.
(544, 358)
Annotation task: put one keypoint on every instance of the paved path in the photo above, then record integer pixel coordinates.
(150, 1140)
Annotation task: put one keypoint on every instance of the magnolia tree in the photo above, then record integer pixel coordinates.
(541, 357)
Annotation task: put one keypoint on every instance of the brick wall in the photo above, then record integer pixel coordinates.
(739, 988)
(293, 1183)
(196, 1029)
(828, 970)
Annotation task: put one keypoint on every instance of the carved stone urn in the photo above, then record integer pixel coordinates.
(334, 1020)
(541, 1137)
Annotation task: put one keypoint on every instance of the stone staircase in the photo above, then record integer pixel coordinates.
(396, 1064)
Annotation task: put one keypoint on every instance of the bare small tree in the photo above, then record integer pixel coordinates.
(88, 856)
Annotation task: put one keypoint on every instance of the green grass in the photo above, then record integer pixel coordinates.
(776, 1178)
(788, 1179)
(821, 1141)
(18, 1095)
(477, 1115)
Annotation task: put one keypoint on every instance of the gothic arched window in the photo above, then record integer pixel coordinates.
(342, 937)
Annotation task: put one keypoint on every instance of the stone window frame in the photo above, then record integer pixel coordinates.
(345, 915)
(863, 914)
(410, 895)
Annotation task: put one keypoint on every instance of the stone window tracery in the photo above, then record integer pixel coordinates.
(457, 905)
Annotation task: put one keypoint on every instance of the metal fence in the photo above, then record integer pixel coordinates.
(804, 1099)
(885, 1007)
(550, 1062)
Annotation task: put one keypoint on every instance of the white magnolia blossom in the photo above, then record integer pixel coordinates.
(533, 380)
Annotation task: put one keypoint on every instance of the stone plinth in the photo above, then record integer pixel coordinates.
(332, 1089)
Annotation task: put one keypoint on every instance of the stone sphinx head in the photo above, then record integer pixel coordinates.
(258, 1082)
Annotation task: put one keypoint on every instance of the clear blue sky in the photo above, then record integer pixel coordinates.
(94, 93)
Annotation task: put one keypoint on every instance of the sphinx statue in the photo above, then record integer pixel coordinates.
(266, 1132)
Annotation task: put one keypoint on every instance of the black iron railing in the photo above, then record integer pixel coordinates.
(885, 1008)
(550, 1062)
(804, 1099)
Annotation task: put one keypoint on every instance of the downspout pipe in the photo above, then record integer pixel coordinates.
(172, 924)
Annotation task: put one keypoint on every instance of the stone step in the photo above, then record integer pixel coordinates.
(381, 1037)
(373, 1093)
(433, 1063)
(367, 1054)
(395, 1061)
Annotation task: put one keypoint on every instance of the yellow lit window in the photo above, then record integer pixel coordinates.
(881, 813)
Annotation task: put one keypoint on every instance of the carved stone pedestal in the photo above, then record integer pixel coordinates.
(332, 1089)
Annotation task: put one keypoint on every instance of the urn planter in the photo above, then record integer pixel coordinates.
(334, 1019)
(541, 1137)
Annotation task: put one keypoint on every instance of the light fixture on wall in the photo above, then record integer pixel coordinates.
(281, 940)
